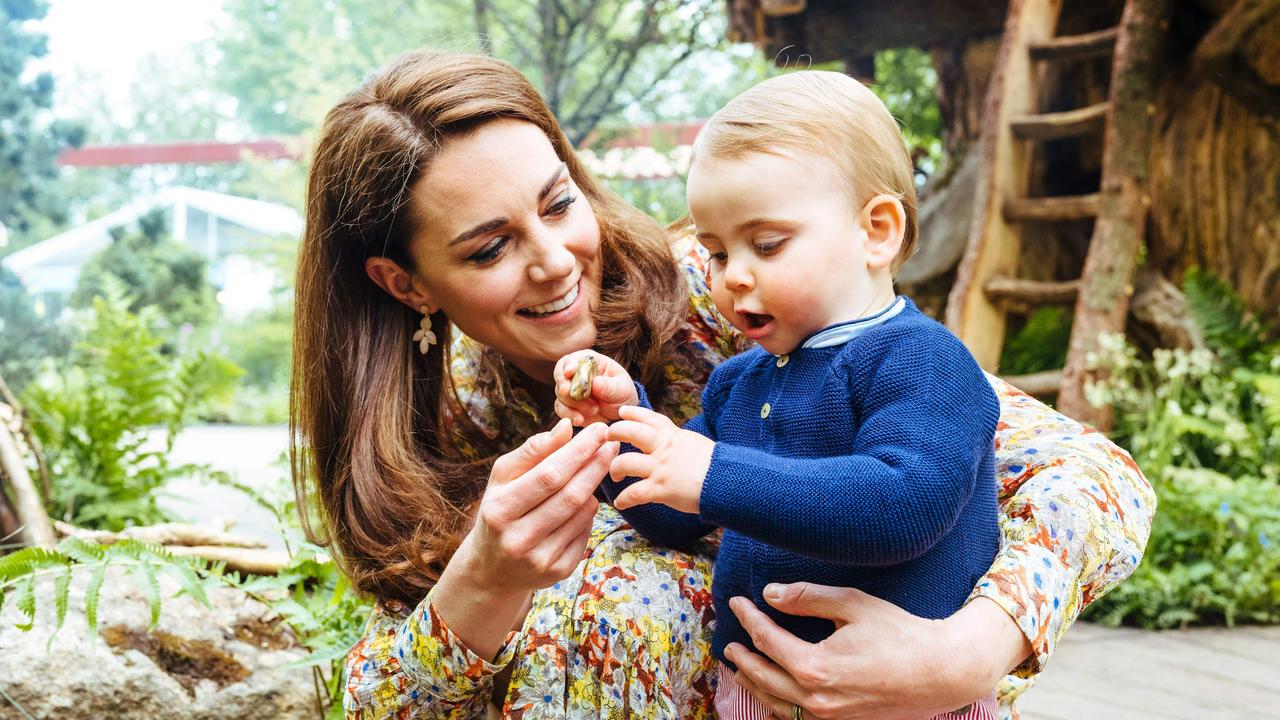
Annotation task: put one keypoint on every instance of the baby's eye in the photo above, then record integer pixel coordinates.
(771, 246)
(720, 257)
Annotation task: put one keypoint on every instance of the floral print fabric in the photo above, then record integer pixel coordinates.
(628, 633)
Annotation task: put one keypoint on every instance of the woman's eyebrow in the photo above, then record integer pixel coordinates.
(490, 226)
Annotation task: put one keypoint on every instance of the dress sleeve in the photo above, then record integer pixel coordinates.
(415, 667)
(1075, 516)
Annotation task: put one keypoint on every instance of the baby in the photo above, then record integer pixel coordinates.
(852, 446)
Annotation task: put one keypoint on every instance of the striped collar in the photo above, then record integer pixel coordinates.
(842, 333)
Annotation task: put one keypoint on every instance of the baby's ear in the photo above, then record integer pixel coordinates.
(885, 222)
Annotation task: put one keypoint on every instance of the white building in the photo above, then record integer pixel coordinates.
(224, 228)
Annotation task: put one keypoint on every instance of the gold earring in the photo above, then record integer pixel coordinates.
(424, 337)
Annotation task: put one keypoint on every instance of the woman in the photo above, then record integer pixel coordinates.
(443, 194)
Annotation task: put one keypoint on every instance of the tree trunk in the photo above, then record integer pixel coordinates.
(35, 529)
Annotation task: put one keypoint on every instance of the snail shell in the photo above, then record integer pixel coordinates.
(580, 388)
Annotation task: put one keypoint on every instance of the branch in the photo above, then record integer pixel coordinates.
(164, 534)
(36, 530)
(7, 397)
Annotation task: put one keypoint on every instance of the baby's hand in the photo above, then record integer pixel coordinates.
(672, 463)
(590, 387)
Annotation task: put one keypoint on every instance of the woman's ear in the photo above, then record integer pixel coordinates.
(885, 222)
(399, 283)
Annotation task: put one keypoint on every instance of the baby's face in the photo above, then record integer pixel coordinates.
(788, 251)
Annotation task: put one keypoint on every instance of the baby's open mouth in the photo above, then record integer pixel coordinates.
(756, 320)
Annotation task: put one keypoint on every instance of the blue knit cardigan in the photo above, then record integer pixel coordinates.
(862, 459)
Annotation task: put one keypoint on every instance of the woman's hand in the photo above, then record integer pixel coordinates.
(881, 662)
(611, 389)
(531, 530)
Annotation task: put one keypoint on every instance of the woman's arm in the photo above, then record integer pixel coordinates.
(531, 530)
(1076, 513)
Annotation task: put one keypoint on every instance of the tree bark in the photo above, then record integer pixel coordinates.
(1107, 283)
(35, 528)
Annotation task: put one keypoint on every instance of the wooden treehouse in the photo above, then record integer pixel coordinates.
(1094, 152)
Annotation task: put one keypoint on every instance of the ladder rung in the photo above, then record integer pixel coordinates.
(1076, 47)
(1041, 384)
(1048, 126)
(1050, 209)
(1033, 292)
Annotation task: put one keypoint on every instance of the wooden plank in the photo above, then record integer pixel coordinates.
(1069, 123)
(1041, 384)
(1118, 233)
(994, 243)
(1051, 209)
(1034, 292)
(1076, 47)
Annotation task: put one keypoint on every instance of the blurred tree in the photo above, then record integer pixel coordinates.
(905, 81)
(29, 337)
(156, 270)
(29, 141)
(288, 61)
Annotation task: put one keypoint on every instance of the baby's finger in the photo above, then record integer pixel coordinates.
(612, 389)
(637, 494)
(573, 412)
(631, 465)
(638, 434)
(643, 415)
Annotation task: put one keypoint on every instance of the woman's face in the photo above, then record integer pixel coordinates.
(508, 246)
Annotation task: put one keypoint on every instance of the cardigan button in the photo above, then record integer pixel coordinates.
(783, 360)
(764, 411)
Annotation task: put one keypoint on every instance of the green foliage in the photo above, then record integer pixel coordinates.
(29, 139)
(905, 81)
(158, 271)
(108, 416)
(1039, 345)
(23, 568)
(1202, 425)
(29, 338)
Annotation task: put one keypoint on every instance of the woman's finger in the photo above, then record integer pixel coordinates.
(790, 652)
(764, 679)
(638, 434)
(531, 452)
(631, 465)
(574, 548)
(551, 474)
(552, 549)
(557, 508)
(780, 708)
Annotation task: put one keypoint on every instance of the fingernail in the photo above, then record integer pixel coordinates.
(773, 591)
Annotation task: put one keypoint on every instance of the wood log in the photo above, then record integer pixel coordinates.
(255, 561)
(1051, 209)
(1076, 47)
(1161, 306)
(1032, 292)
(7, 397)
(35, 530)
(1069, 123)
(1107, 280)
(167, 534)
(1041, 384)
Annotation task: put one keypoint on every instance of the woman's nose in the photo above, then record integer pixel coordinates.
(551, 260)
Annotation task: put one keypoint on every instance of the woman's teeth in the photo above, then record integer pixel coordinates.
(555, 306)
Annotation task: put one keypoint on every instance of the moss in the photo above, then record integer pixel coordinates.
(187, 661)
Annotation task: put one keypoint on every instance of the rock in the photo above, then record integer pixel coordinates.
(197, 664)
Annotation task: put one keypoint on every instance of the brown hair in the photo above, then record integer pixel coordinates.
(832, 115)
(370, 425)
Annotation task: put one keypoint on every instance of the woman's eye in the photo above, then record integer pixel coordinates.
(489, 252)
(561, 206)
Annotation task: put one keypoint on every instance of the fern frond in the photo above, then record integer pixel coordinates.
(61, 594)
(27, 603)
(149, 583)
(92, 594)
(1229, 328)
(1269, 388)
(28, 560)
(81, 550)
(189, 580)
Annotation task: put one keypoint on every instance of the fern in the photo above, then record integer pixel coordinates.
(92, 593)
(1229, 328)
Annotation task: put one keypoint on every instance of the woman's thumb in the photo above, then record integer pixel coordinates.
(810, 600)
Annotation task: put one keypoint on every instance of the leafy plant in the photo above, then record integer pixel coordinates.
(108, 416)
(1203, 426)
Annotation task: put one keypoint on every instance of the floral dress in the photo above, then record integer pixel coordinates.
(628, 634)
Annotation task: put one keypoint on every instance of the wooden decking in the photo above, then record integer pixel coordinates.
(1125, 674)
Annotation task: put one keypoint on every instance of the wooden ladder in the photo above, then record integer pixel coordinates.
(986, 280)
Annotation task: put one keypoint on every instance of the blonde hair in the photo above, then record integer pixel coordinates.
(828, 114)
